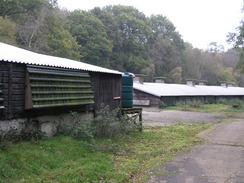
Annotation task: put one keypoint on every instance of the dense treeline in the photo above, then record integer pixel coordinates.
(117, 37)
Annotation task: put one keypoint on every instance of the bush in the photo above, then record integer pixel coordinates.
(77, 128)
(28, 133)
(196, 103)
(111, 123)
(106, 124)
(222, 101)
(234, 102)
(189, 103)
(162, 105)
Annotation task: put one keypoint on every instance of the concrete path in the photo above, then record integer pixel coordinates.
(221, 160)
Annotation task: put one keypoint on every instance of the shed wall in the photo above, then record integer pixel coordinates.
(153, 100)
(13, 87)
(107, 89)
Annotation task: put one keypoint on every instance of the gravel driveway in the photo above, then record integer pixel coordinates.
(159, 117)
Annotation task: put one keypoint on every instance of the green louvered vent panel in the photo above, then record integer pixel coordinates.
(54, 87)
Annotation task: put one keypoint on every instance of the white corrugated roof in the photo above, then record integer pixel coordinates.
(165, 89)
(14, 54)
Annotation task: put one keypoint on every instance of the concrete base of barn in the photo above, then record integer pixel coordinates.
(47, 125)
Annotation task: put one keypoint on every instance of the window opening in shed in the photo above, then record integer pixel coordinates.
(53, 87)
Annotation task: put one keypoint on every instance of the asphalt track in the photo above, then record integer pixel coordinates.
(220, 160)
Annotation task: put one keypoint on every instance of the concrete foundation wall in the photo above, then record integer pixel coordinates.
(48, 125)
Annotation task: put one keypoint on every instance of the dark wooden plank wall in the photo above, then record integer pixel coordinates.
(154, 100)
(13, 86)
(106, 89)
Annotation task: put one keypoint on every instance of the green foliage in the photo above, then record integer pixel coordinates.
(161, 25)
(189, 103)
(90, 33)
(226, 74)
(60, 41)
(110, 123)
(237, 40)
(175, 75)
(223, 106)
(7, 31)
(118, 37)
(162, 104)
(28, 133)
(222, 101)
(17, 7)
(234, 102)
(131, 33)
(78, 127)
(59, 159)
(107, 123)
(63, 159)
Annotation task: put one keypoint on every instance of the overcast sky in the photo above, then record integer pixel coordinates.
(198, 21)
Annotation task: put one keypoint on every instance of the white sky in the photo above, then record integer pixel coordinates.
(198, 21)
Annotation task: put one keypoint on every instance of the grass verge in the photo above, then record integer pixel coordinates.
(64, 159)
(213, 108)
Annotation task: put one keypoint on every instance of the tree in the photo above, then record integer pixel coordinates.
(166, 46)
(30, 28)
(191, 62)
(7, 31)
(164, 56)
(91, 35)
(230, 58)
(16, 7)
(43, 29)
(175, 75)
(215, 48)
(59, 40)
(238, 43)
(226, 74)
(130, 33)
(161, 25)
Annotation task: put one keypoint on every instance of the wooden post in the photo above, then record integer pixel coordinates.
(137, 111)
(28, 95)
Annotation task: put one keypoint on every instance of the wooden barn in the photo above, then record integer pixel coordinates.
(155, 94)
(45, 89)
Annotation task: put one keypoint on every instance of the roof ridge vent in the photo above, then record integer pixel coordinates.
(139, 78)
(224, 84)
(202, 82)
(160, 79)
(190, 82)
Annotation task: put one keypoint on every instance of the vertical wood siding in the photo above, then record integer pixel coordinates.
(104, 88)
(107, 89)
(13, 85)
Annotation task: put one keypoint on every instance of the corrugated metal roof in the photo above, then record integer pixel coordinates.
(14, 54)
(165, 89)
